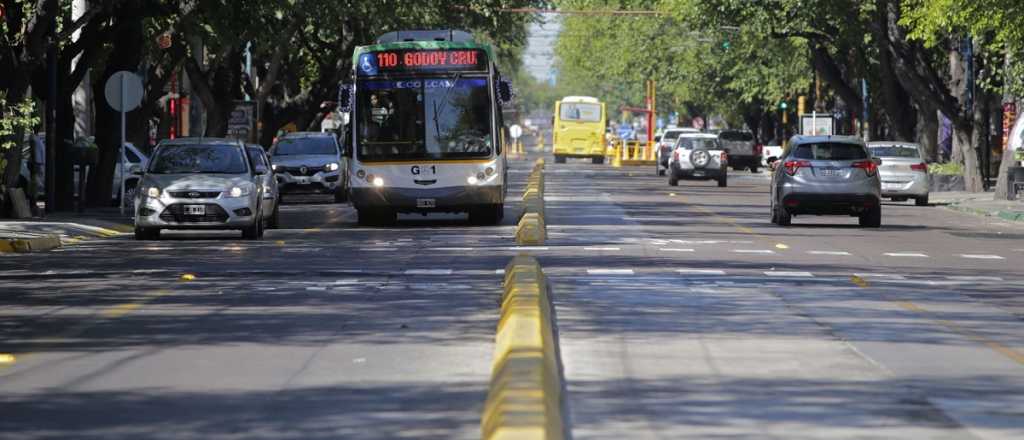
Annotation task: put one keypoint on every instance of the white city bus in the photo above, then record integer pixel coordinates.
(426, 132)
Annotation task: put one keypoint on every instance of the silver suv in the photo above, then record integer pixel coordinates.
(826, 175)
(310, 163)
(698, 156)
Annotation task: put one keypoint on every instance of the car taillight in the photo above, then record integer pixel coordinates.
(792, 166)
(758, 149)
(919, 167)
(868, 166)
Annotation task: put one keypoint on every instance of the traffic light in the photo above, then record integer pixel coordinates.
(783, 105)
(726, 44)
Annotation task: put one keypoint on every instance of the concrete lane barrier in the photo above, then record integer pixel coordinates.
(531, 230)
(525, 396)
(26, 245)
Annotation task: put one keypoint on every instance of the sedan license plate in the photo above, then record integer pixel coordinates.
(829, 172)
(426, 203)
(195, 209)
(698, 174)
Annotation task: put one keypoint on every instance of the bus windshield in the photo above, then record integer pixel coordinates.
(424, 118)
(577, 111)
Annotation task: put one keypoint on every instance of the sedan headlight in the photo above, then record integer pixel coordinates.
(333, 166)
(240, 191)
(153, 192)
(276, 168)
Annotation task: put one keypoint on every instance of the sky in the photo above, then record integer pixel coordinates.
(539, 58)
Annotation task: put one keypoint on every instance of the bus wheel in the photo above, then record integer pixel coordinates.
(559, 159)
(486, 215)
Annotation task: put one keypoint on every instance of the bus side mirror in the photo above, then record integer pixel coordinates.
(345, 98)
(505, 92)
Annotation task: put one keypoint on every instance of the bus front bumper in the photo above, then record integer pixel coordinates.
(450, 199)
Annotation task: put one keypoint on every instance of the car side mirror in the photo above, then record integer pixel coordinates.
(260, 170)
(505, 91)
(877, 160)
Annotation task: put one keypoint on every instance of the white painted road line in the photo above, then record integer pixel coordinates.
(700, 271)
(890, 276)
(452, 249)
(779, 273)
(753, 251)
(973, 278)
(528, 248)
(906, 254)
(981, 257)
(373, 249)
(610, 272)
(428, 272)
(675, 250)
(602, 249)
(836, 253)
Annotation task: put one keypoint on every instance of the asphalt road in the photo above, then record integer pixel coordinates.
(681, 311)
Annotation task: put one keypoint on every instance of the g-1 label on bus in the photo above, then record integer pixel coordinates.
(410, 61)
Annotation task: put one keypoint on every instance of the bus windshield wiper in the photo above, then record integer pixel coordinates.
(444, 103)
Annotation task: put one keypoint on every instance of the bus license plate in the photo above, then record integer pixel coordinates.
(426, 203)
(195, 209)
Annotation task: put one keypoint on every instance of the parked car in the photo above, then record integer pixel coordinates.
(743, 149)
(770, 153)
(270, 201)
(904, 172)
(663, 148)
(698, 156)
(310, 163)
(200, 183)
(134, 160)
(826, 175)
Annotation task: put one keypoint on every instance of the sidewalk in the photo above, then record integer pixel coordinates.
(980, 204)
(56, 230)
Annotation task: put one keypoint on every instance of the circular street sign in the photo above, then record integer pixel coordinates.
(515, 131)
(132, 87)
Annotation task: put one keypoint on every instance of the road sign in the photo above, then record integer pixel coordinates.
(515, 131)
(124, 85)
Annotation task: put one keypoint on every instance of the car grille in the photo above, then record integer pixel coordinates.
(297, 171)
(175, 213)
(195, 194)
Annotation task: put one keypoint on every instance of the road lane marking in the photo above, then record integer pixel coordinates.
(602, 249)
(675, 250)
(982, 257)
(906, 254)
(700, 271)
(120, 310)
(428, 272)
(610, 272)
(999, 348)
(890, 276)
(781, 246)
(379, 249)
(973, 278)
(795, 274)
(528, 248)
(834, 253)
(753, 251)
(860, 282)
(452, 249)
(7, 358)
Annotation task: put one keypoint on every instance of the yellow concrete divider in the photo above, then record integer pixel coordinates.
(26, 245)
(531, 230)
(525, 397)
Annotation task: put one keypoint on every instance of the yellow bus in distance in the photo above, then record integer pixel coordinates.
(579, 129)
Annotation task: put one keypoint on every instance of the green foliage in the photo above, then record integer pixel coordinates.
(15, 118)
(948, 168)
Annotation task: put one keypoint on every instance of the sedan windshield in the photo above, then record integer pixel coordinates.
(305, 146)
(907, 151)
(424, 118)
(192, 159)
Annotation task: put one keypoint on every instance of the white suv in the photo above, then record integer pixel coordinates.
(698, 156)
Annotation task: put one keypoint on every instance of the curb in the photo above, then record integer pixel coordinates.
(27, 245)
(525, 396)
(531, 228)
(1013, 216)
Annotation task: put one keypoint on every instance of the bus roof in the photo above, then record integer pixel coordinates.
(580, 99)
(423, 45)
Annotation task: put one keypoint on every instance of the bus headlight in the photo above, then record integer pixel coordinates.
(153, 192)
(378, 182)
(477, 179)
(361, 174)
(472, 180)
(489, 171)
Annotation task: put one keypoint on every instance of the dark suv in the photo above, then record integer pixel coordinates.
(743, 149)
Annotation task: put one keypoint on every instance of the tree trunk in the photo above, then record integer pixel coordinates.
(1005, 164)
(928, 133)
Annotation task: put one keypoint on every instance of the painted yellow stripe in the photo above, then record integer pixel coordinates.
(958, 329)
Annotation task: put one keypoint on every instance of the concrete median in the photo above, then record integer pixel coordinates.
(26, 245)
(525, 397)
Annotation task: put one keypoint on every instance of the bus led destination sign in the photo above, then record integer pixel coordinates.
(375, 63)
